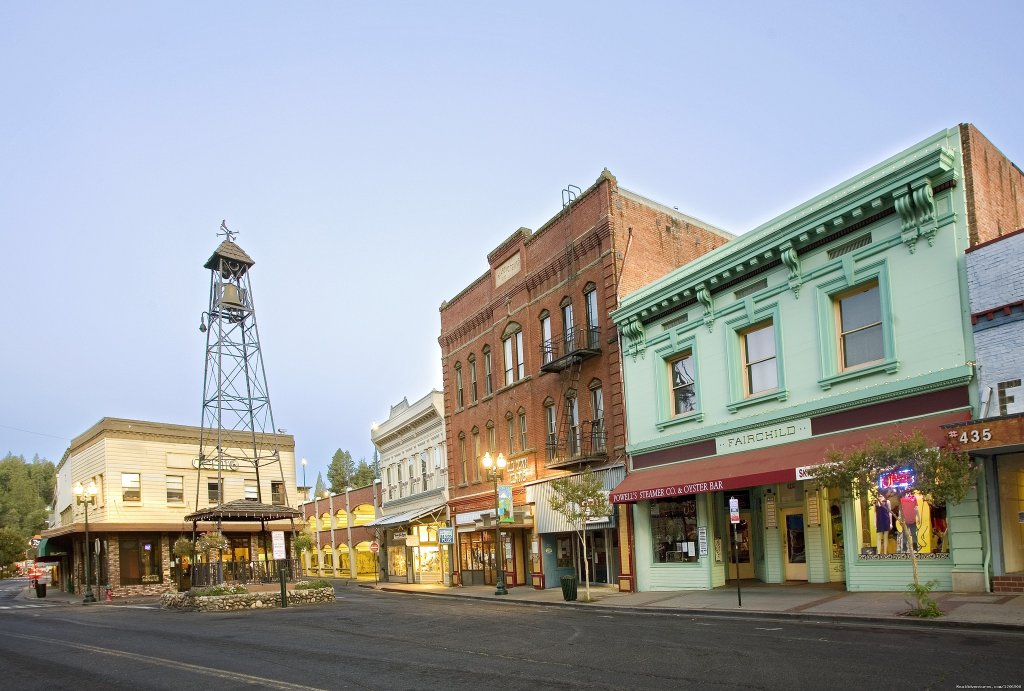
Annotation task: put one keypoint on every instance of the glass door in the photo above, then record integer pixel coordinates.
(793, 545)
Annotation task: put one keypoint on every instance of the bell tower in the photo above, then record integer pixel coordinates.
(237, 421)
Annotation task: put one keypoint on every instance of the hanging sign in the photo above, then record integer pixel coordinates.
(446, 536)
(734, 510)
(277, 543)
(897, 479)
(505, 504)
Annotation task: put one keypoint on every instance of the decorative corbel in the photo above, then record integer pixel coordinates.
(915, 205)
(704, 298)
(636, 337)
(792, 262)
(908, 223)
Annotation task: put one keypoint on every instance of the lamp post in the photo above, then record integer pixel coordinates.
(495, 469)
(348, 527)
(86, 496)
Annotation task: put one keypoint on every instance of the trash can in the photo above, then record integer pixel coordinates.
(568, 588)
(40, 589)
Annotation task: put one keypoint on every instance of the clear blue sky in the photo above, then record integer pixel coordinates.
(372, 154)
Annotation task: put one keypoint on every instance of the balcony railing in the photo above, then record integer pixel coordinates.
(576, 344)
(585, 442)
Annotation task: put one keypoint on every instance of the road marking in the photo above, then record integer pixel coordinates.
(173, 664)
(759, 628)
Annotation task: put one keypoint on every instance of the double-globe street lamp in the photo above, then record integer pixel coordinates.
(86, 496)
(495, 468)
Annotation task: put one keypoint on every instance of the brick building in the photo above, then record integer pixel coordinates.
(531, 370)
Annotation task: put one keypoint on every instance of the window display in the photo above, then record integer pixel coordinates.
(396, 560)
(674, 530)
(897, 521)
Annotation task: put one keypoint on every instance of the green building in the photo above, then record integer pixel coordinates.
(842, 320)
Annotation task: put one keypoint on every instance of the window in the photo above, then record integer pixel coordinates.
(547, 347)
(252, 492)
(423, 470)
(175, 489)
(512, 347)
(523, 446)
(488, 385)
(214, 491)
(593, 326)
(140, 560)
(684, 395)
(551, 429)
(131, 487)
(492, 442)
(859, 320)
(674, 530)
(401, 484)
(462, 457)
(458, 385)
(391, 481)
(568, 326)
(510, 423)
(572, 411)
(760, 368)
(476, 454)
(472, 379)
(597, 433)
(277, 493)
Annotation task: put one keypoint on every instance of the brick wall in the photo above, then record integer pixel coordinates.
(995, 188)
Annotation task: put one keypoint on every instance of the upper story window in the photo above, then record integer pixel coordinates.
(131, 487)
(492, 441)
(277, 493)
(175, 489)
(684, 392)
(215, 491)
(522, 430)
(251, 490)
(459, 400)
(462, 458)
(424, 475)
(760, 367)
(593, 323)
(476, 454)
(472, 379)
(859, 321)
(568, 325)
(488, 380)
(572, 411)
(510, 424)
(597, 434)
(547, 346)
(551, 428)
(512, 345)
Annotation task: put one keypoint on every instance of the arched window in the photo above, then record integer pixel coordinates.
(523, 446)
(568, 326)
(488, 380)
(550, 428)
(512, 346)
(472, 379)
(462, 458)
(598, 436)
(593, 317)
(492, 442)
(458, 386)
(510, 424)
(476, 454)
(547, 346)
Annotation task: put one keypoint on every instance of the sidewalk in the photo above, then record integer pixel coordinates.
(59, 597)
(809, 602)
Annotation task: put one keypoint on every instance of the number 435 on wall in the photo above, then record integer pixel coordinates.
(969, 436)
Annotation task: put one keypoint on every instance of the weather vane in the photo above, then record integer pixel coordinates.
(227, 232)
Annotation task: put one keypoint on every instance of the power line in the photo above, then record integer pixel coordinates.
(41, 434)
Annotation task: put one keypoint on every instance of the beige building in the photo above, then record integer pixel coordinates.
(146, 481)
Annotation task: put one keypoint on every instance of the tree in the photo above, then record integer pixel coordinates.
(943, 475)
(364, 474)
(26, 491)
(12, 548)
(579, 499)
(341, 470)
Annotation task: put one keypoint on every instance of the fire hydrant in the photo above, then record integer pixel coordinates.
(110, 594)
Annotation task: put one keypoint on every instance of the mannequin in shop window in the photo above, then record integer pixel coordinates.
(883, 524)
(908, 509)
(939, 526)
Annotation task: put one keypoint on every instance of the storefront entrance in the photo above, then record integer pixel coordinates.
(599, 554)
(794, 547)
(739, 548)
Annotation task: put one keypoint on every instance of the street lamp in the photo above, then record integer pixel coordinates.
(495, 469)
(348, 526)
(86, 496)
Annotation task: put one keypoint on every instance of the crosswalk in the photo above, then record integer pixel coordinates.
(29, 605)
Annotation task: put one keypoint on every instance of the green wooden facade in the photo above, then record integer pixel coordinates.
(768, 308)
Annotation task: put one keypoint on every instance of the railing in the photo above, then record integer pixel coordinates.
(578, 341)
(206, 574)
(587, 440)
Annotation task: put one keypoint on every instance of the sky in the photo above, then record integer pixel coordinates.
(370, 155)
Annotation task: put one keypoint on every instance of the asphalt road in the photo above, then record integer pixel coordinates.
(392, 641)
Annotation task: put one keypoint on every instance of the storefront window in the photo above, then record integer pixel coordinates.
(674, 530)
(396, 560)
(898, 521)
(140, 560)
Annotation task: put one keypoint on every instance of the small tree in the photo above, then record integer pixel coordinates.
(943, 475)
(579, 499)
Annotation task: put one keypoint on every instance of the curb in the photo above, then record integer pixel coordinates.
(832, 618)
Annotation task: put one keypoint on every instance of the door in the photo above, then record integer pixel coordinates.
(739, 548)
(597, 554)
(794, 551)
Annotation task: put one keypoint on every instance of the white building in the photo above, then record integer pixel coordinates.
(414, 490)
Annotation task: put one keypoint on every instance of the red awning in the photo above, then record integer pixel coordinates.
(763, 466)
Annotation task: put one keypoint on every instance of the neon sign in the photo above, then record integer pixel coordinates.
(897, 479)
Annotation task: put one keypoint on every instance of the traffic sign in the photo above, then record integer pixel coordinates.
(446, 536)
(734, 510)
(374, 547)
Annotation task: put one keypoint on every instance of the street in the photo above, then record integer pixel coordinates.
(379, 640)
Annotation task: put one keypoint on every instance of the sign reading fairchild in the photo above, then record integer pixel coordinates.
(760, 437)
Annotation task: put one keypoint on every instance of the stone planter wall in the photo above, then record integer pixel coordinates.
(231, 603)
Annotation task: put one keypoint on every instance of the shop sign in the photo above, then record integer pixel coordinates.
(505, 514)
(770, 519)
(399, 535)
(277, 540)
(446, 536)
(702, 541)
(734, 510)
(897, 479)
(988, 434)
(761, 437)
(519, 470)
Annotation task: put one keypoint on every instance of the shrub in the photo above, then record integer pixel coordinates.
(310, 585)
(221, 589)
(926, 606)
